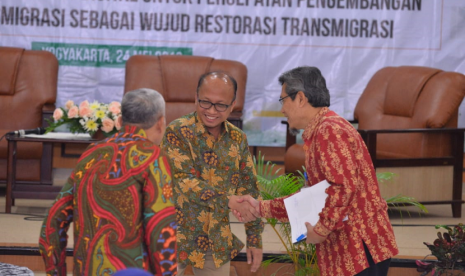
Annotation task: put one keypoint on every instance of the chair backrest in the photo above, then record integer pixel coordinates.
(28, 82)
(176, 78)
(409, 97)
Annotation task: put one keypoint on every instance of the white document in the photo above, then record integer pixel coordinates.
(305, 206)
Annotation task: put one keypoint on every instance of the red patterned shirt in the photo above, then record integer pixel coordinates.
(120, 200)
(335, 151)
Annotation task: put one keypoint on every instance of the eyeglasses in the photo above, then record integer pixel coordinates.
(281, 100)
(218, 106)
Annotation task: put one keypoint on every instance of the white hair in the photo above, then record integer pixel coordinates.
(142, 107)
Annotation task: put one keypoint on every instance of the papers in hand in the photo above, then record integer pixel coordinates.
(305, 206)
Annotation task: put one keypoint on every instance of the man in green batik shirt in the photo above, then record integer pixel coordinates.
(212, 167)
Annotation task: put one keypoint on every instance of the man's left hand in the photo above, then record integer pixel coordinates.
(313, 237)
(254, 257)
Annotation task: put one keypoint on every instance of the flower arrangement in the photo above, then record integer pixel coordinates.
(87, 117)
(449, 249)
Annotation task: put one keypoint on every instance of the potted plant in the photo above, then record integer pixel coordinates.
(449, 250)
(272, 185)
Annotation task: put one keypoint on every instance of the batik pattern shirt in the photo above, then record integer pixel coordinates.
(120, 200)
(206, 172)
(335, 151)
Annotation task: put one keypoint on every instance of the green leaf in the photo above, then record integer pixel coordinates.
(400, 200)
(273, 185)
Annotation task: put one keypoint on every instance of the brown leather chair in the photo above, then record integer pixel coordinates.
(28, 88)
(176, 78)
(407, 116)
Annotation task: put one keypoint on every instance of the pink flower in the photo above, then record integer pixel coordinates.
(57, 114)
(107, 124)
(69, 104)
(84, 104)
(73, 112)
(115, 108)
(117, 123)
(85, 111)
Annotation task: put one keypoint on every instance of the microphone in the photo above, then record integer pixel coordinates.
(22, 132)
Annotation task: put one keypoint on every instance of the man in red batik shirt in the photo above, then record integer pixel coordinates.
(120, 200)
(334, 151)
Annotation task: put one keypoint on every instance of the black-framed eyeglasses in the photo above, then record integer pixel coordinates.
(218, 106)
(281, 100)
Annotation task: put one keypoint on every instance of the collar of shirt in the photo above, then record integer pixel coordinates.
(314, 122)
(133, 130)
(201, 130)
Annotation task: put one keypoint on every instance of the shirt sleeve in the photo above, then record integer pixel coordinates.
(53, 235)
(274, 208)
(188, 186)
(249, 186)
(160, 218)
(337, 160)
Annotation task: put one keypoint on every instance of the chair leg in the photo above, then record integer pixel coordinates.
(457, 210)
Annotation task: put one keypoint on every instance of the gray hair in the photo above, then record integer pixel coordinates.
(142, 107)
(308, 80)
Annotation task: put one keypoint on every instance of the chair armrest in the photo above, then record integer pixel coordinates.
(412, 130)
(457, 136)
(290, 138)
(47, 113)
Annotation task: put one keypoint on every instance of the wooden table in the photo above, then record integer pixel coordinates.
(42, 189)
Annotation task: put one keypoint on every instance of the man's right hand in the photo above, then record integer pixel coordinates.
(245, 206)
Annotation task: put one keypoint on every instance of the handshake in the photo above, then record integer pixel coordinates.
(245, 208)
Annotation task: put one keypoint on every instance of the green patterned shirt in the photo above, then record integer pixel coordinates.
(206, 172)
